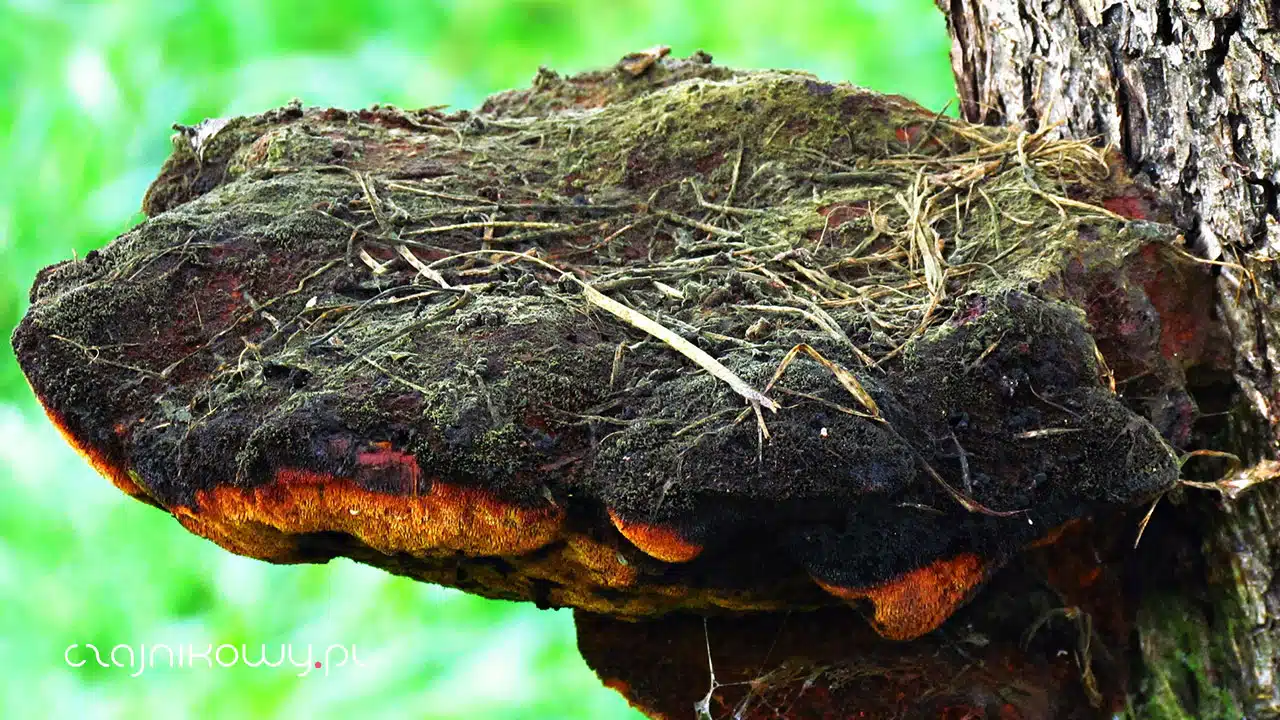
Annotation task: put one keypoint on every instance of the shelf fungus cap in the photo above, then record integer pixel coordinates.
(545, 352)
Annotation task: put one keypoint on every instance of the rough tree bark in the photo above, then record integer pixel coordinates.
(1189, 91)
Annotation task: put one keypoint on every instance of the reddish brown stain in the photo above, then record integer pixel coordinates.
(1183, 304)
(384, 460)
(838, 214)
(908, 135)
(1134, 208)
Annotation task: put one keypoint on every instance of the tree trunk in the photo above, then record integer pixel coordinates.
(1190, 94)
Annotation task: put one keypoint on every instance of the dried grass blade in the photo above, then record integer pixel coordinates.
(677, 343)
(377, 267)
(924, 240)
(1238, 479)
(844, 377)
(965, 501)
(421, 267)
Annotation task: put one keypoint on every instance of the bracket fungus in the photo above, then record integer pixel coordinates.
(682, 342)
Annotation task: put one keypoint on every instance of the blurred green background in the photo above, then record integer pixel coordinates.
(88, 92)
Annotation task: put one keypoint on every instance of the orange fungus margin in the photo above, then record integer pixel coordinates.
(656, 541)
(917, 602)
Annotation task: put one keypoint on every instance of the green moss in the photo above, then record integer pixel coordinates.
(1182, 676)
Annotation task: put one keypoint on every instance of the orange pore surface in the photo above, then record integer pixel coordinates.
(656, 541)
(578, 568)
(919, 601)
(447, 518)
(601, 562)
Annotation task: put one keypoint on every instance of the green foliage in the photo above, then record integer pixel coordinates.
(87, 94)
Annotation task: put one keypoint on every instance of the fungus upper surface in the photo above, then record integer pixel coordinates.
(683, 339)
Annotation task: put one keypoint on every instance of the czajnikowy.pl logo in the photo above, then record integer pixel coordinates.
(225, 655)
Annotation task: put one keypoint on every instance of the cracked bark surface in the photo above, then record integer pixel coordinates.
(1189, 92)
